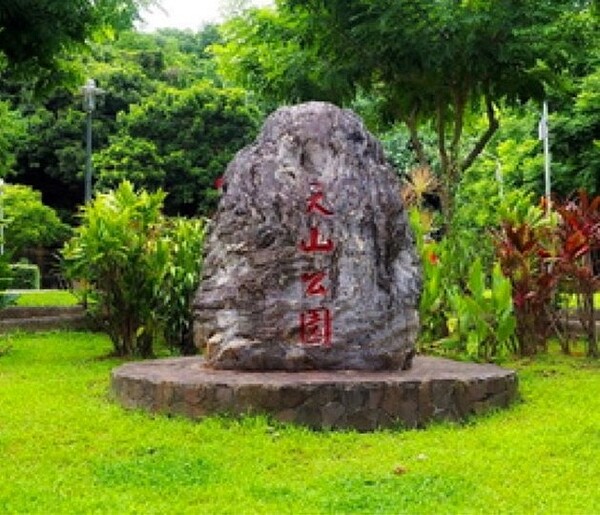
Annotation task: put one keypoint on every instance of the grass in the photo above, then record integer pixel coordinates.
(570, 300)
(65, 448)
(47, 298)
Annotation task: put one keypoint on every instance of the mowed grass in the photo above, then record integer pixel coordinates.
(66, 448)
(46, 298)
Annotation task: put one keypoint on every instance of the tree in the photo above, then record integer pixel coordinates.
(429, 62)
(576, 141)
(180, 140)
(50, 155)
(36, 34)
(12, 129)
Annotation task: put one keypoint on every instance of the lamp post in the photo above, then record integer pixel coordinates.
(90, 91)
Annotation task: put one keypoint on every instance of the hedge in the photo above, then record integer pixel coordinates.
(25, 277)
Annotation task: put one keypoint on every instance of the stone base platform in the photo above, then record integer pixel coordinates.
(433, 389)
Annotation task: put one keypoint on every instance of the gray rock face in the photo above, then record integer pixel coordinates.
(310, 262)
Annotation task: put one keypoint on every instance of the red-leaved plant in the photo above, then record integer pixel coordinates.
(523, 252)
(537, 258)
(579, 236)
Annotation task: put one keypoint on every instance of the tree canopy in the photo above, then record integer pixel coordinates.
(428, 62)
(38, 37)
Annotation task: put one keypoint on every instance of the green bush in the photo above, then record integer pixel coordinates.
(29, 223)
(180, 282)
(141, 267)
(25, 277)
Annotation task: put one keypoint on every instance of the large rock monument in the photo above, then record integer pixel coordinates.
(310, 263)
(308, 306)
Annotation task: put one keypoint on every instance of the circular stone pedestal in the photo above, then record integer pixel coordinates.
(433, 389)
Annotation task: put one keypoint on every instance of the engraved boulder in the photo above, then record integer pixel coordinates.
(310, 263)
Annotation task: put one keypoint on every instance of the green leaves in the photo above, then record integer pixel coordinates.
(486, 323)
(29, 223)
(181, 141)
(141, 267)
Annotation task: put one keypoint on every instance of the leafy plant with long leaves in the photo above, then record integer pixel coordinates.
(579, 235)
(118, 252)
(180, 281)
(524, 249)
(483, 324)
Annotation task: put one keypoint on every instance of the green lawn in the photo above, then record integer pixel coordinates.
(65, 448)
(47, 298)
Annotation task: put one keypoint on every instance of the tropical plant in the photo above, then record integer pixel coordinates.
(482, 323)
(185, 238)
(117, 252)
(140, 267)
(578, 236)
(524, 250)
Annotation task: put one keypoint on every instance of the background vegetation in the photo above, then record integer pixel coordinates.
(453, 90)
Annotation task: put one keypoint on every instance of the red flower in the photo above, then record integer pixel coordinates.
(219, 182)
(433, 258)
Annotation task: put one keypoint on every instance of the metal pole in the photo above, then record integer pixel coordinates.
(88, 159)
(546, 140)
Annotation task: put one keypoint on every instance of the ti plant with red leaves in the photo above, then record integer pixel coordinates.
(540, 257)
(578, 236)
(523, 251)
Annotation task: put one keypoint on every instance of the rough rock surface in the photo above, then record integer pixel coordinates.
(310, 262)
(433, 389)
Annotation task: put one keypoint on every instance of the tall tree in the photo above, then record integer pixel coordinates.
(432, 61)
(180, 140)
(36, 34)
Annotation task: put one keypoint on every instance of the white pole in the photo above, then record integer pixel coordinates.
(544, 136)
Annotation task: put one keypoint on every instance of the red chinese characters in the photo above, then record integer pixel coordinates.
(316, 322)
(315, 327)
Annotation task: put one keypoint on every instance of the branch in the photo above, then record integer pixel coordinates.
(411, 123)
(459, 115)
(485, 137)
(441, 133)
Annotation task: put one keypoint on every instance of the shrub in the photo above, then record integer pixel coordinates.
(30, 223)
(180, 281)
(538, 255)
(6, 299)
(25, 276)
(523, 249)
(133, 261)
(483, 324)
(470, 315)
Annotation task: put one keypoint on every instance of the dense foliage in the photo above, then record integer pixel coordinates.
(38, 37)
(453, 90)
(181, 141)
(538, 255)
(29, 223)
(140, 268)
(163, 121)
(427, 64)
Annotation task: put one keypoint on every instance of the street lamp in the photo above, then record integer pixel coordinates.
(90, 91)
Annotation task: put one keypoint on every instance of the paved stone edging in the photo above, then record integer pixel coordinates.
(433, 389)
(42, 318)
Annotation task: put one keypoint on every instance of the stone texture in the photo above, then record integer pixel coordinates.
(433, 389)
(248, 307)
